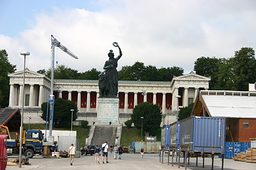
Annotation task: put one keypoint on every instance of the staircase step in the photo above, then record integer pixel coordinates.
(103, 134)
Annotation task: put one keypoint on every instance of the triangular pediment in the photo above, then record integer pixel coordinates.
(192, 76)
(28, 73)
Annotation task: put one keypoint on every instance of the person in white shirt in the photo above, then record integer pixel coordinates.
(104, 147)
(71, 153)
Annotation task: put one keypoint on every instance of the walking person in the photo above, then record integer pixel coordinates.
(71, 153)
(141, 152)
(97, 154)
(120, 152)
(104, 147)
(115, 151)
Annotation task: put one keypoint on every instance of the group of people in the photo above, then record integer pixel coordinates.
(101, 153)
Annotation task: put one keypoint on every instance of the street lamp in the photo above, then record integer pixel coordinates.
(142, 127)
(29, 118)
(71, 122)
(22, 108)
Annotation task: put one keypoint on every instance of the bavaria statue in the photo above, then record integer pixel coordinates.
(108, 79)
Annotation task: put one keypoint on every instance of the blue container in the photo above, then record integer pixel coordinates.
(175, 135)
(245, 146)
(167, 136)
(203, 134)
(233, 148)
(229, 150)
(237, 148)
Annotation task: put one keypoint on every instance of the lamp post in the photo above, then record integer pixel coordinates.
(142, 127)
(22, 108)
(71, 122)
(29, 118)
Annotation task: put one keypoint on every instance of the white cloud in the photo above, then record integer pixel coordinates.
(161, 33)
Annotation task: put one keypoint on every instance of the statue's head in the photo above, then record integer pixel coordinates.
(111, 54)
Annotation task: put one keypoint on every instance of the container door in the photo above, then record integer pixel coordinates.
(209, 134)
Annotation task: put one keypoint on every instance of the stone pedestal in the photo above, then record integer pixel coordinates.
(108, 111)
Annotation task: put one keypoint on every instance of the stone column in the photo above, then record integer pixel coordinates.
(185, 97)
(60, 94)
(125, 102)
(88, 101)
(174, 99)
(196, 93)
(154, 98)
(69, 95)
(79, 100)
(41, 95)
(144, 97)
(11, 96)
(135, 100)
(163, 103)
(20, 95)
(97, 96)
(31, 95)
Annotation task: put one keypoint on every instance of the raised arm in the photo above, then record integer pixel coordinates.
(120, 53)
(115, 44)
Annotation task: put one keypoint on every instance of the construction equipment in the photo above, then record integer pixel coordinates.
(32, 142)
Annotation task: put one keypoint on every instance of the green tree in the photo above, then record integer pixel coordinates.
(185, 112)
(151, 117)
(244, 68)
(134, 72)
(225, 76)
(92, 74)
(63, 72)
(5, 68)
(150, 73)
(166, 74)
(62, 113)
(208, 67)
(138, 71)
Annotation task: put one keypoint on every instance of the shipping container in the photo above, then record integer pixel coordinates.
(202, 134)
(174, 131)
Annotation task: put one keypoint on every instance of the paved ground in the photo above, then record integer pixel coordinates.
(128, 162)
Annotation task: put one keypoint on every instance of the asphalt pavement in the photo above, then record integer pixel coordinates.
(128, 162)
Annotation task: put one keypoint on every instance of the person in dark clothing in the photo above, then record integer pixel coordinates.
(120, 152)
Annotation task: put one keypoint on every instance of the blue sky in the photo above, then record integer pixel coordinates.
(161, 33)
(18, 15)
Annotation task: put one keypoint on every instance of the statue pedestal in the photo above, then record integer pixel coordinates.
(108, 111)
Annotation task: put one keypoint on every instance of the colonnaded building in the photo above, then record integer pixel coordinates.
(168, 95)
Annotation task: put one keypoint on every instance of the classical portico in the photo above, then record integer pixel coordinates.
(169, 96)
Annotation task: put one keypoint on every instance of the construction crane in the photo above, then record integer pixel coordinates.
(54, 43)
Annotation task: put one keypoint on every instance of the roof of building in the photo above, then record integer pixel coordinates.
(6, 114)
(230, 104)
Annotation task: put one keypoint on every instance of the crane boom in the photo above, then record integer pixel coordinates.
(56, 43)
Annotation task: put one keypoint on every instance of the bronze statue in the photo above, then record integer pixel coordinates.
(108, 80)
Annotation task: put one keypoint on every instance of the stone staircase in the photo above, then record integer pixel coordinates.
(104, 133)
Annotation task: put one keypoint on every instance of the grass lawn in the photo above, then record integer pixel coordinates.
(129, 135)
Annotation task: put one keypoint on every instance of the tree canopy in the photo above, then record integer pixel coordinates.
(5, 68)
(62, 113)
(138, 71)
(185, 112)
(234, 73)
(151, 117)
